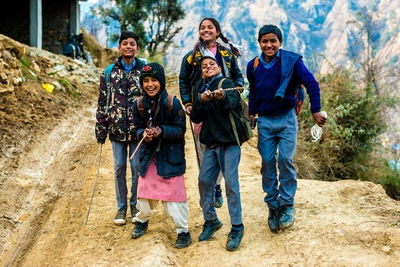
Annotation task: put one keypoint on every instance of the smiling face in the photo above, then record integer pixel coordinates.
(208, 32)
(270, 44)
(151, 86)
(128, 47)
(209, 69)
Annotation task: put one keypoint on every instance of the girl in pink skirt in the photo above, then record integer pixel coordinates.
(160, 120)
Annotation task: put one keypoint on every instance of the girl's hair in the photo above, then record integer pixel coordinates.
(215, 22)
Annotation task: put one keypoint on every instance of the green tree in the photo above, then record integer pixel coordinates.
(159, 15)
(131, 15)
(163, 14)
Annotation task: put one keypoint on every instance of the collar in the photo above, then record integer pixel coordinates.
(206, 86)
(130, 67)
(272, 63)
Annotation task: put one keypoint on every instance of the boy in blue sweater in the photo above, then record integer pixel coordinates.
(272, 97)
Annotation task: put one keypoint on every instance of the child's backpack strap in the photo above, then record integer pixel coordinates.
(255, 65)
(140, 106)
(170, 104)
(107, 77)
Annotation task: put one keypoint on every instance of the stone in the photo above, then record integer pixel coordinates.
(35, 67)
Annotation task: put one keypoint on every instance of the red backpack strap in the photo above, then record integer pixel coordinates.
(140, 106)
(170, 104)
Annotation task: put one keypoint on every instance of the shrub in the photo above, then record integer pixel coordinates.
(356, 118)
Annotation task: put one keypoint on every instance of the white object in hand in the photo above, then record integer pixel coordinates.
(316, 131)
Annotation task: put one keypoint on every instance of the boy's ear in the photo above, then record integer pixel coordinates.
(202, 76)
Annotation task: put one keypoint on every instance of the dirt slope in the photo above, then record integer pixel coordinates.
(340, 223)
(46, 179)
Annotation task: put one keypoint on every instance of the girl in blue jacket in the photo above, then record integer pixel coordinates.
(190, 75)
(160, 122)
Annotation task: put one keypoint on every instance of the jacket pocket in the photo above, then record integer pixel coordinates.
(175, 153)
(117, 119)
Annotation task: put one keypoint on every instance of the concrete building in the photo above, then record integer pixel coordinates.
(45, 24)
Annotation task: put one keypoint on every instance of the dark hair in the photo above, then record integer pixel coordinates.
(270, 29)
(128, 34)
(215, 22)
(209, 57)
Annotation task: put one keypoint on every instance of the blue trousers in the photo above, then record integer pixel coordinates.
(120, 154)
(223, 158)
(278, 132)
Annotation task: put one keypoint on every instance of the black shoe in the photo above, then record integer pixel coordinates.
(218, 197)
(120, 218)
(286, 219)
(140, 229)
(273, 220)
(234, 238)
(183, 240)
(134, 211)
(209, 228)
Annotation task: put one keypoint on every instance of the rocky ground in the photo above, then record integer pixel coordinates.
(48, 165)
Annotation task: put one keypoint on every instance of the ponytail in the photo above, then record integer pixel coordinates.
(234, 49)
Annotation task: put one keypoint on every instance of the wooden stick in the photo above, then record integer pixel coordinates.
(231, 89)
(134, 152)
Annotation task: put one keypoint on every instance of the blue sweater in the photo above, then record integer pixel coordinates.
(264, 84)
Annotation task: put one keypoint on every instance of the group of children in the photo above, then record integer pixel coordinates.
(159, 122)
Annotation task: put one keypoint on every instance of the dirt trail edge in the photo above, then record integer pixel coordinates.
(337, 223)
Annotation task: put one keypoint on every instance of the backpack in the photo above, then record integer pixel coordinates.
(243, 118)
(299, 93)
(107, 77)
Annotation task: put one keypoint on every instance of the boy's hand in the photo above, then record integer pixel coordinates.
(219, 94)
(206, 96)
(252, 121)
(319, 118)
(188, 109)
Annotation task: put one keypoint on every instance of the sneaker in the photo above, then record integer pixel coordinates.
(120, 218)
(134, 211)
(286, 219)
(218, 197)
(183, 240)
(139, 229)
(273, 220)
(234, 238)
(209, 228)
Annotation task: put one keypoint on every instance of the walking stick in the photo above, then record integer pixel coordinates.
(134, 152)
(94, 187)
(195, 147)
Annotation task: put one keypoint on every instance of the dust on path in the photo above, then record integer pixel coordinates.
(337, 223)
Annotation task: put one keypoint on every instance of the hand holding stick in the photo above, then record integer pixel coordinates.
(140, 142)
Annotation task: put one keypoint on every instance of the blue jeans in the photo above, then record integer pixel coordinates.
(120, 150)
(278, 131)
(223, 158)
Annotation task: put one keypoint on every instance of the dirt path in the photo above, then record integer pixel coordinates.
(347, 223)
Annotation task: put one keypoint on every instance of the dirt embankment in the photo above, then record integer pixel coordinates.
(46, 185)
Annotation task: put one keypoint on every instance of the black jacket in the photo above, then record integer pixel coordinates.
(217, 128)
(169, 148)
(190, 73)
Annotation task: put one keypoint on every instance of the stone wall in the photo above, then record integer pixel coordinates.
(55, 22)
(55, 16)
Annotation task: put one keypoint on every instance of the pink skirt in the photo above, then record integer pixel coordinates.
(153, 186)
